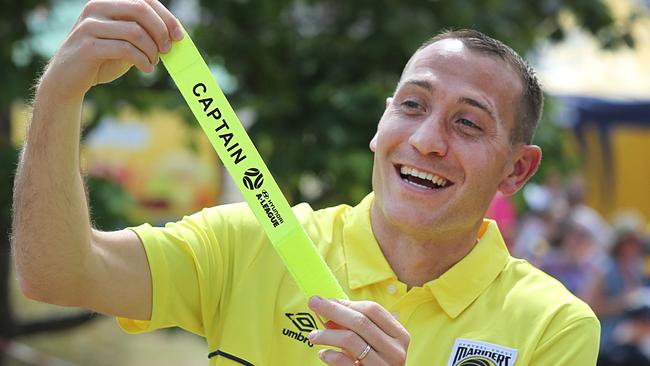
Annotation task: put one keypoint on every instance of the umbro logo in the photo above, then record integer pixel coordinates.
(303, 322)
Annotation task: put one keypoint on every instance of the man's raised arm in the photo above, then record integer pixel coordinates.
(59, 257)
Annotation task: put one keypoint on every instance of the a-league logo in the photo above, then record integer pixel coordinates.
(253, 178)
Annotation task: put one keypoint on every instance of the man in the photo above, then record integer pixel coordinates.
(431, 282)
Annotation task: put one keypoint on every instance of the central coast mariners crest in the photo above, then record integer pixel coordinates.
(468, 352)
(477, 361)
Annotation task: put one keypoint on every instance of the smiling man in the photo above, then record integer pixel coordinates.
(457, 130)
(430, 281)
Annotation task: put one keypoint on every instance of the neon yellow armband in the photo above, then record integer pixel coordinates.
(240, 157)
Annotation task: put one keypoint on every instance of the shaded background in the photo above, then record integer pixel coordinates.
(309, 79)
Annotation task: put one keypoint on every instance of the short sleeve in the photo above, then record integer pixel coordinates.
(576, 344)
(189, 261)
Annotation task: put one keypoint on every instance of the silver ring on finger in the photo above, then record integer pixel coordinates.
(362, 355)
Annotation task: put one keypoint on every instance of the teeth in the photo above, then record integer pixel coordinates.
(418, 185)
(406, 170)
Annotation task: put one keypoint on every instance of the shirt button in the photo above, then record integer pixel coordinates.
(391, 289)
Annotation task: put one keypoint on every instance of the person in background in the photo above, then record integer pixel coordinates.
(574, 255)
(621, 273)
(630, 344)
(537, 224)
(504, 212)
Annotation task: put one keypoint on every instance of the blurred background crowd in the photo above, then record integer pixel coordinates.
(309, 78)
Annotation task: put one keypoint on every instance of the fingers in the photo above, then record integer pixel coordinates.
(380, 316)
(153, 17)
(173, 27)
(348, 318)
(347, 340)
(133, 32)
(334, 358)
(123, 30)
(368, 321)
(112, 49)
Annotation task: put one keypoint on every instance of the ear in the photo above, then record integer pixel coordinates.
(526, 162)
(373, 142)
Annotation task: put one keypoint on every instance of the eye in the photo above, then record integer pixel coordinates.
(411, 106)
(468, 123)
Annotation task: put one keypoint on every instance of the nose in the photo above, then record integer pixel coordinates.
(430, 137)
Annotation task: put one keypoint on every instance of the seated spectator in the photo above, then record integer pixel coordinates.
(631, 337)
(621, 275)
(574, 255)
(535, 226)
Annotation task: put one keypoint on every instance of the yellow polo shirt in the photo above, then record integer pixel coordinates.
(215, 274)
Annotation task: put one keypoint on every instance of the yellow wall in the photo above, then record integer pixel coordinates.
(630, 173)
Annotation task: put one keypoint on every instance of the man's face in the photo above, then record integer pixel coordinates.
(449, 124)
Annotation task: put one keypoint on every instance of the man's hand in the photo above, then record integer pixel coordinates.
(109, 37)
(364, 324)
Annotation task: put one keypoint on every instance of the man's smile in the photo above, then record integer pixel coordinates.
(422, 179)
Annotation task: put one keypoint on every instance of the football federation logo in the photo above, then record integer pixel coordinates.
(253, 178)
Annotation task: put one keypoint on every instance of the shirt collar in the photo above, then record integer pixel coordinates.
(455, 290)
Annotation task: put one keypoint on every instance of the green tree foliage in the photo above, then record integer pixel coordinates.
(317, 72)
